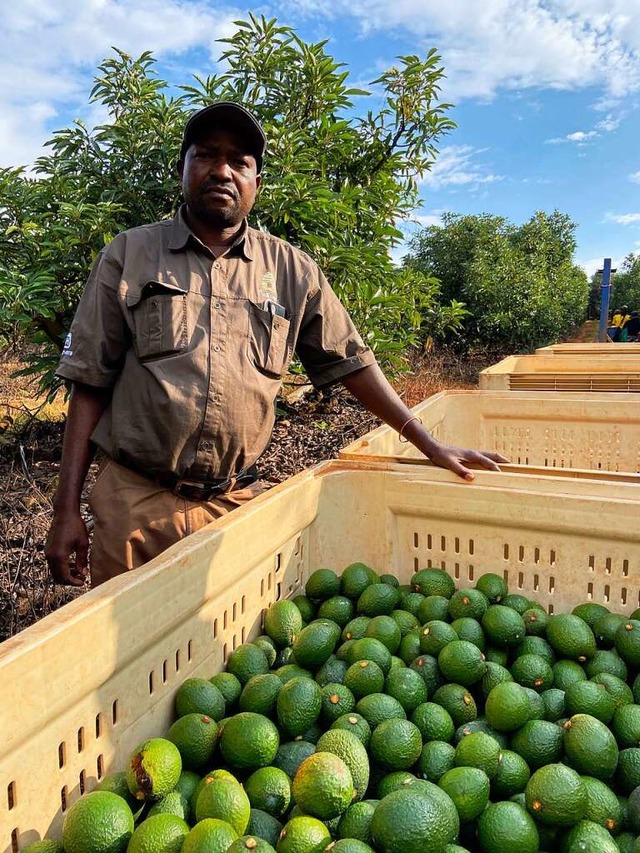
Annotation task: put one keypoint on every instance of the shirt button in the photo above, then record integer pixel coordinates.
(216, 348)
(216, 266)
(216, 305)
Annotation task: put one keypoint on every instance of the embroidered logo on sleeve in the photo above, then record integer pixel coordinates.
(66, 349)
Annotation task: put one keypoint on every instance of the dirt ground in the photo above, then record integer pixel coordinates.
(307, 431)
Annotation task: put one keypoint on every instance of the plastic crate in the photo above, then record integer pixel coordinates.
(83, 687)
(541, 430)
(556, 372)
(591, 349)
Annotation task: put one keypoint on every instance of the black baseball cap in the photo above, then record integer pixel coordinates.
(226, 114)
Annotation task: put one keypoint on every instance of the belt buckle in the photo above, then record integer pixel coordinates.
(192, 491)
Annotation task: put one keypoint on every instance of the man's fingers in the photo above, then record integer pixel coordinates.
(458, 468)
(497, 457)
(82, 558)
(488, 461)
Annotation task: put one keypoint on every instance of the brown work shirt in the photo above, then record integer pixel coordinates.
(195, 347)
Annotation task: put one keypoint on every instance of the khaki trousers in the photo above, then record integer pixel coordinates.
(136, 519)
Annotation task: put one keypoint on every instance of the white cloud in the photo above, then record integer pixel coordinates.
(581, 135)
(426, 220)
(456, 166)
(635, 177)
(49, 50)
(512, 44)
(623, 218)
(593, 265)
(608, 124)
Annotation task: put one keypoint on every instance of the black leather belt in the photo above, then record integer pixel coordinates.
(193, 490)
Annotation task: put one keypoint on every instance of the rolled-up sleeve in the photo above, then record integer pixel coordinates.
(97, 342)
(329, 345)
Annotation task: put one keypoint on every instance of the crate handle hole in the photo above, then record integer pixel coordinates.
(11, 795)
(14, 841)
(151, 683)
(83, 781)
(98, 725)
(63, 798)
(165, 671)
(114, 712)
(62, 755)
(100, 767)
(80, 739)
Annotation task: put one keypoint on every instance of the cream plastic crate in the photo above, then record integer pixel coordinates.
(591, 349)
(534, 429)
(84, 686)
(556, 372)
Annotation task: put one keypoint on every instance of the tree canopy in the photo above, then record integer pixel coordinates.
(337, 181)
(518, 283)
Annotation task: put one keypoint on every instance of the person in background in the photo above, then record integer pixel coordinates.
(632, 327)
(616, 323)
(177, 352)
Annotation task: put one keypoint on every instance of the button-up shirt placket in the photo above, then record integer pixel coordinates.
(218, 369)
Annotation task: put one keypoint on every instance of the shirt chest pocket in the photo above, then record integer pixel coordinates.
(269, 347)
(159, 316)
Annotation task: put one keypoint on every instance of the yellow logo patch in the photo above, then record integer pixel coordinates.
(267, 287)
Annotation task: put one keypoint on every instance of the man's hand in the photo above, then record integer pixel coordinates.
(372, 389)
(67, 535)
(454, 458)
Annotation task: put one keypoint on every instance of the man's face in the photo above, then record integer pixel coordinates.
(219, 179)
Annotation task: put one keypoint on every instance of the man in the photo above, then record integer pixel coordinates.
(176, 354)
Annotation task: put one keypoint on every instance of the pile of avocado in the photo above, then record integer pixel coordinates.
(376, 717)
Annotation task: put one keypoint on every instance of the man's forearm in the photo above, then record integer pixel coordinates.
(85, 408)
(371, 387)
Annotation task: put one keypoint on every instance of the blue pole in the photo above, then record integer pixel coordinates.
(604, 300)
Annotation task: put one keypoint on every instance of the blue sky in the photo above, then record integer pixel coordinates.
(546, 92)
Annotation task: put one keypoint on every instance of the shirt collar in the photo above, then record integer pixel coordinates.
(181, 234)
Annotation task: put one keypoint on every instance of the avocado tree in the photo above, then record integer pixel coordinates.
(338, 180)
(519, 283)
